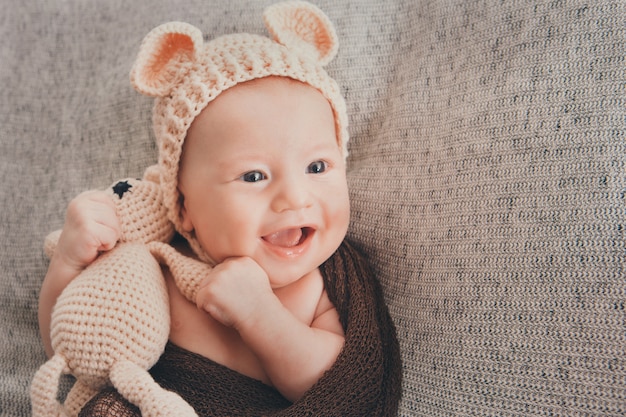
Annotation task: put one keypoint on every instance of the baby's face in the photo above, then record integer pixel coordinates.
(262, 176)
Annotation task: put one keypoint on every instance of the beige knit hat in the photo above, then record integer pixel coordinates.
(185, 74)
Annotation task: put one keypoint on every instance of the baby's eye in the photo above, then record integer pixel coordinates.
(317, 167)
(253, 176)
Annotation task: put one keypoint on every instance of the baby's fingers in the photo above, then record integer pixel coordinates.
(93, 208)
(234, 290)
(91, 226)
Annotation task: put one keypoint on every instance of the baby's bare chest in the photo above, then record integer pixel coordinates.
(195, 330)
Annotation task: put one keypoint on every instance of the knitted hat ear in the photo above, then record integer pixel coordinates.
(300, 25)
(163, 51)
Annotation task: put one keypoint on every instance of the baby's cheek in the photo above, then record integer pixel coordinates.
(339, 217)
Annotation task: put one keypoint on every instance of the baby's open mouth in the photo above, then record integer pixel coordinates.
(288, 238)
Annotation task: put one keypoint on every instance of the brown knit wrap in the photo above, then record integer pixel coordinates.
(364, 381)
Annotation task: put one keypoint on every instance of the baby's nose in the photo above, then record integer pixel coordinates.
(292, 194)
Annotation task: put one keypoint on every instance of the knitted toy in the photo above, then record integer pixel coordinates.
(111, 323)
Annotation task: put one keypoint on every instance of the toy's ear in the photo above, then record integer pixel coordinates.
(161, 54)
(300, 25)
(153, 173)
(50, 243)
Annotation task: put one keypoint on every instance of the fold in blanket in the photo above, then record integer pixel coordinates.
(364, 381)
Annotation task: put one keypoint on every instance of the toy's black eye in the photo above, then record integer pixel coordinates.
(253, 176)
(121, 188)
(317, 167)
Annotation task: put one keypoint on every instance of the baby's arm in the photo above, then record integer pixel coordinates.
(91, 226)
(293, 354)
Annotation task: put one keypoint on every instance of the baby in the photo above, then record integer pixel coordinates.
(266, 197)
(252, 138)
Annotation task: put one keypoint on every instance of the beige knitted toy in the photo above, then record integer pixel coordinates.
(111, 323)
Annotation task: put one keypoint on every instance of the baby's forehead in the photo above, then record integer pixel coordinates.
(260, 114)
(244, 105)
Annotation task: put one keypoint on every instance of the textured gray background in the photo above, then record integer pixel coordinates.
(487, 174)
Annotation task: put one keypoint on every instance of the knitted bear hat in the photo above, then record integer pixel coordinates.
(184, 74)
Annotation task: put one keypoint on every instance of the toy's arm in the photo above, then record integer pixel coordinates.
(188, 272)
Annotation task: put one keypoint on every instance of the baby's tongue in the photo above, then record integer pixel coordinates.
(285, 238)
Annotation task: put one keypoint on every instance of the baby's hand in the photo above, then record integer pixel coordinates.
(234, 291)
(91, 226)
